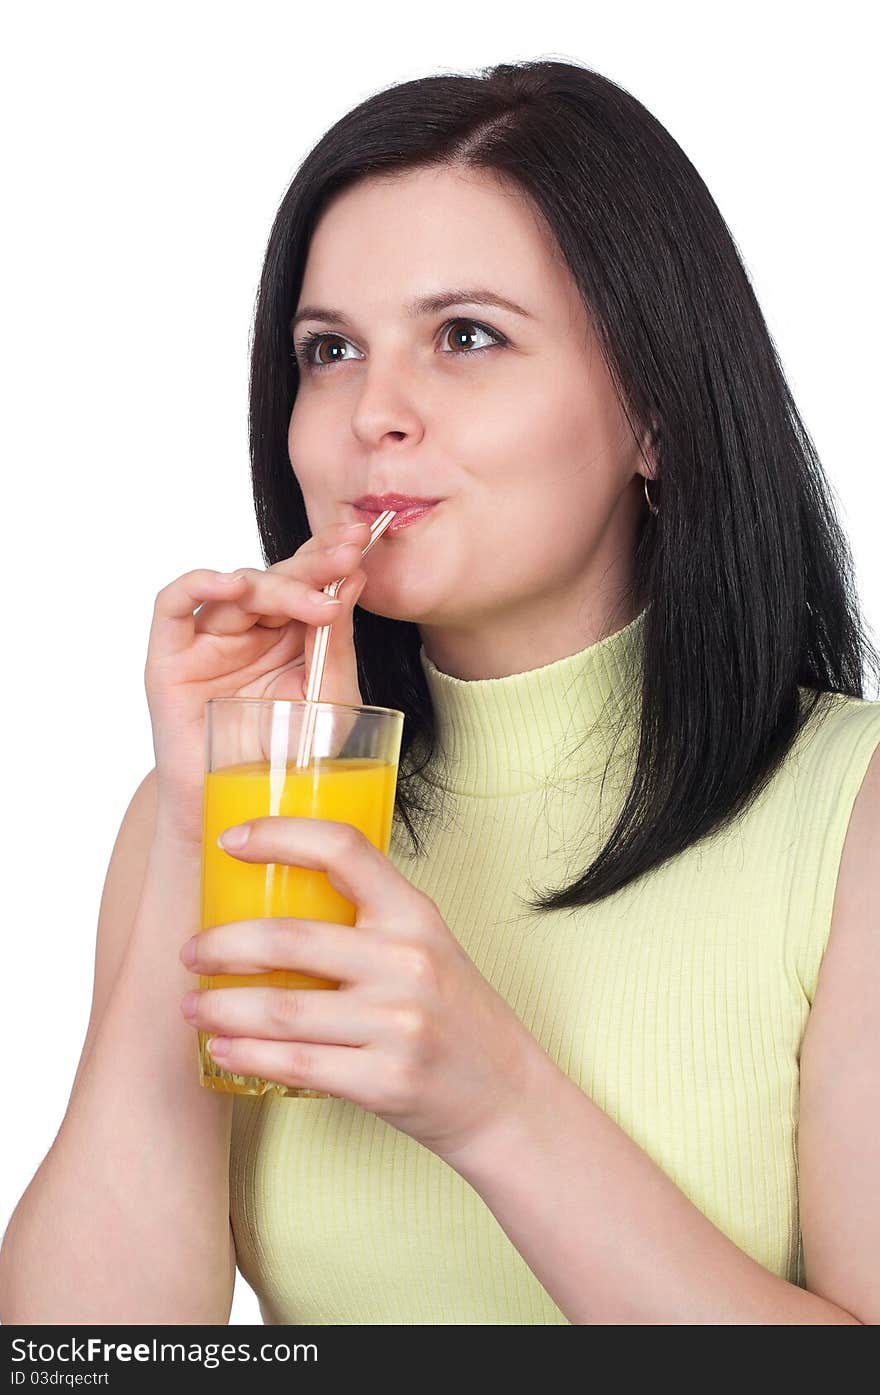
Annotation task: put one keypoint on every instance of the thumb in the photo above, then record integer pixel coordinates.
(340, 681)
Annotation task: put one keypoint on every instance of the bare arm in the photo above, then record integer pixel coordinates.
(127, 1218)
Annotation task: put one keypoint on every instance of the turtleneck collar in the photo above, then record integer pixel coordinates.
(510, 735)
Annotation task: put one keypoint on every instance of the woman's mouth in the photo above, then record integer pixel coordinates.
(404, 518)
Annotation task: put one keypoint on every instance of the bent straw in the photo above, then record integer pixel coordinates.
(319, 653)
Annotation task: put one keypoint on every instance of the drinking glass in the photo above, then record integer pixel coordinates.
(252, 746)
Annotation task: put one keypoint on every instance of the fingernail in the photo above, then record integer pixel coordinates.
(235, 838)
(188, 952)
(354, 528)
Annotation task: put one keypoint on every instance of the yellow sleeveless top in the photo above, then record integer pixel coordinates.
(678, 1005)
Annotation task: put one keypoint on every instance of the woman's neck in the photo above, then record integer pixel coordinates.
(531, 638)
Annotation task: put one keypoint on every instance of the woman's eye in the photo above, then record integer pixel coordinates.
(311, 345)
(468, 334)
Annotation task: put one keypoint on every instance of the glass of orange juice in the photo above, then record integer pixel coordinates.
(252, 748)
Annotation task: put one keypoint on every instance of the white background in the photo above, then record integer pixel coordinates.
(148, 149)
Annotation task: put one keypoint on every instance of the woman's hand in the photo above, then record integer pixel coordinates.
(414, 1033)
(250, 634)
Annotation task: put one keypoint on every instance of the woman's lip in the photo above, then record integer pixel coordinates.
(404, 518)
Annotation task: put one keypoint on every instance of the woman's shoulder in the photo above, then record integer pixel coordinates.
(829, 763)
(838, 729)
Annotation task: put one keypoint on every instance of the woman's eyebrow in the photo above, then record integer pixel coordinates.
(424, 305)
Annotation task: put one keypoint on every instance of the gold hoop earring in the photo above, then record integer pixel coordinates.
(651, 506)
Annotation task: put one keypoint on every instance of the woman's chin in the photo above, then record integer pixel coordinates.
(391, 611)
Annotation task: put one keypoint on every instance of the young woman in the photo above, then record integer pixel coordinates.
(605, 1048)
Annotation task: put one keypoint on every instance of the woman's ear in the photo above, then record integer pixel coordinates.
(651, 448)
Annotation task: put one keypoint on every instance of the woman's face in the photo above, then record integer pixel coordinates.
(523, 440)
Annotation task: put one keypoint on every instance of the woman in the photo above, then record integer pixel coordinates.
(626, 645)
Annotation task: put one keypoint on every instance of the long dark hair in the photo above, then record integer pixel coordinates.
(745, 570)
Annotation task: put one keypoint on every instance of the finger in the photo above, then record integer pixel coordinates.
(332, 536)
(268, 600)
(286, 1014)
(348, 589)
(354, 866)
(274, 598)
(343, 1072)
(213, 595)
(174, 624)
(320, 947)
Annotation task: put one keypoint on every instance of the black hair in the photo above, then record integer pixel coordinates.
(752, 613)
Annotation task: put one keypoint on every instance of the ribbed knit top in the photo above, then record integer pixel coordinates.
(678, 1004)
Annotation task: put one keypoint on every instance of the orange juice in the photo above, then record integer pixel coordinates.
(355, 791)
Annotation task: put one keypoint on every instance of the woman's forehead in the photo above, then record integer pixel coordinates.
(400, 247)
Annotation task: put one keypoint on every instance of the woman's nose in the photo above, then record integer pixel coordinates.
(387, 402)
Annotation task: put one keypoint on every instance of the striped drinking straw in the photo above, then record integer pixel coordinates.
(319, 653)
